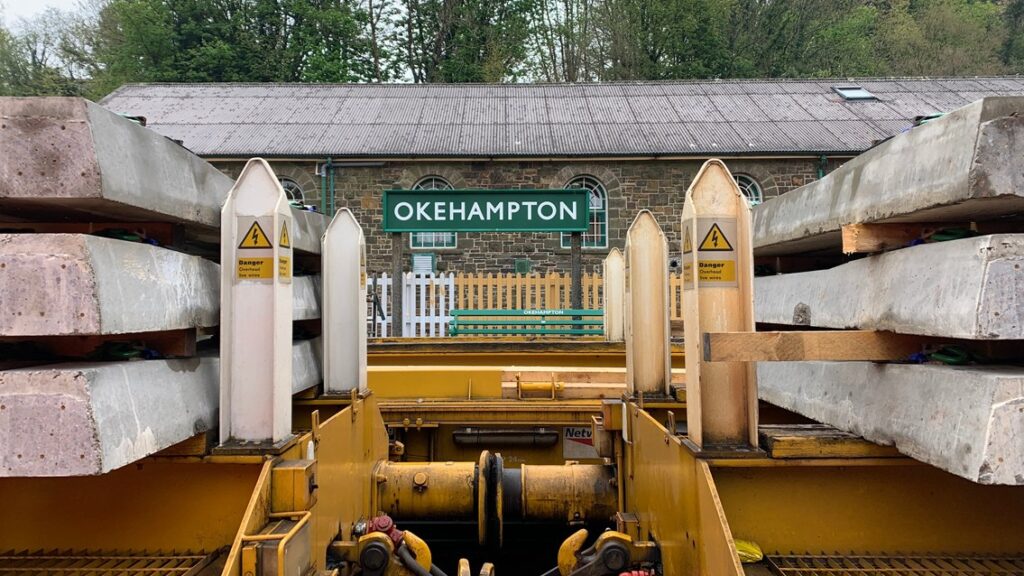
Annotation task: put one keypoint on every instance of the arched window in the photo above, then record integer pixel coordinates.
(596, 235)
(292, 189)
(433, 239)
(750, 188)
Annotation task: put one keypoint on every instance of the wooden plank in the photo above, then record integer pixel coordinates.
(818, 441)
(877, 237)
(869, 345)
(588, 375)
(169, 343)
(165, 233)
(198, 445)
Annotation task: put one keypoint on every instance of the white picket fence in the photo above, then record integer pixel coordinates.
(427, 301)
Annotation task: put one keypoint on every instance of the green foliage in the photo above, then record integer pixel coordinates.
(107, 43)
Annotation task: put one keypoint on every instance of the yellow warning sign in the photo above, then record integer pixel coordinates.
(687, 243)
(284, 268)
(717, 271)
(285, 241)
(255, 268)
(255, 238)
(715, 241)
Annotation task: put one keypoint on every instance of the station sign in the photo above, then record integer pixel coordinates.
(486, 210)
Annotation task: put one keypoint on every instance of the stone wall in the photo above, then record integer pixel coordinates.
(658, 186)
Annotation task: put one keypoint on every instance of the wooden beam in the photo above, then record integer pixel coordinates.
(167, 234)
(818, 441)
(198, 445)
(869, 238)
(169, 343)
(866, 345)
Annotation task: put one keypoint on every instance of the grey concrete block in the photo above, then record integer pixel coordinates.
(65, 284)
(971, 288)
(309, 228)
(82, 419)
(966, 420)
(962, 167)
(90, 418)
(67, 159)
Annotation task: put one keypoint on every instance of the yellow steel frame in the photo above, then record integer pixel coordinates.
(347, 446)
(693, 506)
(151, 505)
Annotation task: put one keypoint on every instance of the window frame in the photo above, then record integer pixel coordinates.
(284, 181)
(752, 182)
(421, 237)
(565, 238)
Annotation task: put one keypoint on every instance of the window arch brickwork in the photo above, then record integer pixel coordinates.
(596, 235)
(433, 240)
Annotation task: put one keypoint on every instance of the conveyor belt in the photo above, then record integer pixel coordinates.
(840, 565)
(79, 563)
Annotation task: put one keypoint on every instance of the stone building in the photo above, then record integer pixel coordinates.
(634, 146)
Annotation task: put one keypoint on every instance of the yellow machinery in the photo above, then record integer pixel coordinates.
(455, 459)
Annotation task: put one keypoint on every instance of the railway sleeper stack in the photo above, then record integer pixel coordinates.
(872, 227)
(81, 297)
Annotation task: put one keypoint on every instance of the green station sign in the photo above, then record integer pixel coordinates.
(486, 210)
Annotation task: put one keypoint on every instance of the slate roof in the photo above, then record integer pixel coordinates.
(698, 118)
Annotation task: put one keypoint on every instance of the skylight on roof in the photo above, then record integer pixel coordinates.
(854, 93)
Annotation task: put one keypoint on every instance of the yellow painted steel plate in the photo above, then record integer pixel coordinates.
(839, 565)
(79, 563)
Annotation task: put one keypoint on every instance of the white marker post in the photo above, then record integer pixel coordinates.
(344, 305)
(614, 295)
(256, 312)
(647, 331)
(718, 279)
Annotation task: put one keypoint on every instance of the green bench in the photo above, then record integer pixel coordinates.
(550, 322)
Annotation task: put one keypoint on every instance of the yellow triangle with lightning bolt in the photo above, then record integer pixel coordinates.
(255, 238)
(715, 241)
(285, 241)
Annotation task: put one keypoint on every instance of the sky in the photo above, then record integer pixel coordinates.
(12, 10)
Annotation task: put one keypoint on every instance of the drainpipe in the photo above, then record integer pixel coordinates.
(334, 195)
(822, 164)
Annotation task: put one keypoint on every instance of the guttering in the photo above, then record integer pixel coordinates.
(377, 161)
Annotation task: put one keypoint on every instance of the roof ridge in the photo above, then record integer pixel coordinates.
(687, 81)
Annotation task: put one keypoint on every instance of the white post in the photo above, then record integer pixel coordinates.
(614, 289)
(344, 305)
(718, 296)
(256, 310)
(647, 331)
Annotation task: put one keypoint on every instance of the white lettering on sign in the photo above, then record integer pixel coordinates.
(543, 312)
(461, 211)
(403, 206)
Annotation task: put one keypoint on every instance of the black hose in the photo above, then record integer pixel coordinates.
(435, 571)
(409, 561)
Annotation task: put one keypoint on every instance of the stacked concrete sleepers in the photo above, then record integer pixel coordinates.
(963, 169)
(77, 396)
